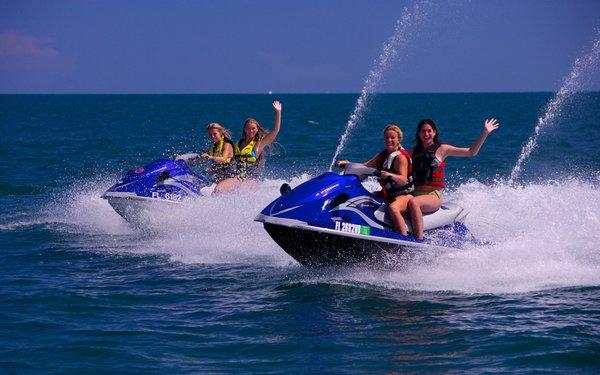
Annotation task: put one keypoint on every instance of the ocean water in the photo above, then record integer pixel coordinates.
(207, 290)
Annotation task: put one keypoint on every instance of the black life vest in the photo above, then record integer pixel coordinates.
(428, 170)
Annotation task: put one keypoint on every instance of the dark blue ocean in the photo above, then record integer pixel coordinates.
(207, 290)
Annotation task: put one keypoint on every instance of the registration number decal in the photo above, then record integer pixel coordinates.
(167, 196)
(352, 228)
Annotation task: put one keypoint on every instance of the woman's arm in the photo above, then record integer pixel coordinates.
(270, 136)
(401, 168)
(446, 150)
(227, 154)
(372, 163)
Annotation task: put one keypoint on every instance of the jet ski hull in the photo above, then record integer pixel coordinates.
(138, 210)
(325, 249)
(156, 187)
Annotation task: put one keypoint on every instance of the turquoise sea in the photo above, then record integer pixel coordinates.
(207, 291)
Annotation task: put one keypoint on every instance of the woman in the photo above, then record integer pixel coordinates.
(395, 165)
(429, 157)
(220, 151)
(249, 152)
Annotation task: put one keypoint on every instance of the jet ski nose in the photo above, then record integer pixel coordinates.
(284, 189)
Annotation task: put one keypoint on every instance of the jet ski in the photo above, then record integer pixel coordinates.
(161, 184)
(334, 220)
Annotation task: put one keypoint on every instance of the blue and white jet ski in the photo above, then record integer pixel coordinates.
(334, 220)
(161, 184)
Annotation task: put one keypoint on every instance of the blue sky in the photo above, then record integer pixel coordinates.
(288, 46)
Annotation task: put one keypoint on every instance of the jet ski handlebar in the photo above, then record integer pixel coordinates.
(361, 170)
(191, 156)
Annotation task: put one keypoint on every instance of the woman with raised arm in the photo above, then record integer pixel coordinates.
(395, 166)
(249, 152)
(429, 157)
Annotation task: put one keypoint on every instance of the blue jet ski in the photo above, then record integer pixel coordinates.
(161, 184)
(334, 220)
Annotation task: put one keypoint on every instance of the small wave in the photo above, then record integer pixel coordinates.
(18, 225)
(8, 189)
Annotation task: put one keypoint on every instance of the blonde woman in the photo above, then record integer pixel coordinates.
(395, 165)
(220, 151)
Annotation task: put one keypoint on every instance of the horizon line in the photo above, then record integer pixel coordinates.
(288, 93)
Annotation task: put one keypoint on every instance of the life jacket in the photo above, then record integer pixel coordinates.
(428, 170)
(216, 149)
(246, 160)
(390, 188)
(220, 171)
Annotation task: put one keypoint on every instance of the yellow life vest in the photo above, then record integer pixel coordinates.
(246, 155)
(246, 161)
(217, 149)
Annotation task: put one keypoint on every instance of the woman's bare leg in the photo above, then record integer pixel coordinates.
(396, 208)
(230, 184)
(227, 185)
(419, 205)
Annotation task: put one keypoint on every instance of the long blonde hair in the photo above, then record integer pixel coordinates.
(216, 125)
(268, 149)
(259, 134)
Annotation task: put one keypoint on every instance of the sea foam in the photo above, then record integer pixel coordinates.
(539, 236)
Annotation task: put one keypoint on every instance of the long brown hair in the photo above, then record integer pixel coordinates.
(418, 143)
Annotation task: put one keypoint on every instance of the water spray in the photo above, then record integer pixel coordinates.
(571, 84)
(404, 29)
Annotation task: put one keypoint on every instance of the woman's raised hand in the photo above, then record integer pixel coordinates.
(277, 105)
(342, 163)
(490, 125)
